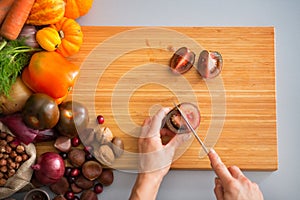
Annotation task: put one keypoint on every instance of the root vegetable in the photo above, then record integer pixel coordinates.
(5, 6)
(17, 98)
(49, 168)
(16, 18)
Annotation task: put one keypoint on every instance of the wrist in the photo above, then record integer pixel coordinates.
(146, 186)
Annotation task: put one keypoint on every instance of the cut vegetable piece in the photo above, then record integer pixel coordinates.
(175, 121)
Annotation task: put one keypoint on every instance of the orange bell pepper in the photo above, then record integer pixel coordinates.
(50, 73)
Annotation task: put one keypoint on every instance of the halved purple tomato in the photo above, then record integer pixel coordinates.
(182, 60)
(177, 124)
(210, 64)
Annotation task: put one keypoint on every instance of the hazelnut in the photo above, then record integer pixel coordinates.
(105, 155)
(11, 172)
(9, 138)
(12, 165)
(8, 149)
(25, 157)
(2, 182)
(91, 170)
(13, 144)
(20, 148)
(3, 162)
(2, 149)
(3, 135)
(18, 158)
(3, 169)
(13, 154)
(3, 143)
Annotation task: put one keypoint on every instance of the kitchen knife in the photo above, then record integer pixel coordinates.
(192, 129)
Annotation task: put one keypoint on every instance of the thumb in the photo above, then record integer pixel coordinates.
(178, 140)
(219, 192)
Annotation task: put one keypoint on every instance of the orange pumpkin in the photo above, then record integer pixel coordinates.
(77, 8)
(71, 36)
(46, 12)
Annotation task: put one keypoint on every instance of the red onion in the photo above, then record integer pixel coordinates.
(28, 32)
(25, 134)
(49, 168)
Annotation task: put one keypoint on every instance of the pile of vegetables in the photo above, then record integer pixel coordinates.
(36, 37)
(36, 76)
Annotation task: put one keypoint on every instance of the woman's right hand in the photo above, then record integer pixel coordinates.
(231, 183)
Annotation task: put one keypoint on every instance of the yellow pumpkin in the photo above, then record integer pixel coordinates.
(71, 36)
(46, 12)
(48, 38)
(77, 8)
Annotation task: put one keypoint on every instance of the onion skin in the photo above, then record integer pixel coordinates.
(17, 98)
(23, 133)
(28, 32)
(49, 168)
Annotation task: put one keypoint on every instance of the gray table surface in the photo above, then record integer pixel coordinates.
(284, 15)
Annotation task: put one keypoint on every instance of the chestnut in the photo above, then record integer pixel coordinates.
(76, 157)
(210, 64)
(91, 170)
(84, 183)
(106, 177)
(88, 195)
(182, 60)
(60, 187)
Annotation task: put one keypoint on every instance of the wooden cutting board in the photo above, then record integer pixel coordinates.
(125, 77)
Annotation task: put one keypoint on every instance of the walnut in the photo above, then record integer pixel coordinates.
(103, 135)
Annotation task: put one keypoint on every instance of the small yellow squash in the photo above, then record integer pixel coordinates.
(48, 38)
(45, 12)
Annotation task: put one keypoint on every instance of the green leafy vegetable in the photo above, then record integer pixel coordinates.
(14, 55)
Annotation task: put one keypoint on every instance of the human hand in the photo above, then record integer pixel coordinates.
(154, 155)
(231, 183)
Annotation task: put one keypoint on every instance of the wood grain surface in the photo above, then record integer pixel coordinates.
(125, 77)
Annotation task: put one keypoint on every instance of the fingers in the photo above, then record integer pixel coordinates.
(236, 172)
(145, 128)
(157, 120)
(219, 167)
(178, 140)
(219, 190)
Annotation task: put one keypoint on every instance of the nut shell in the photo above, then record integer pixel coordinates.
(106, 177)
(103, 135)
(117, 146)
(105, 155)
(91, 170)
(76, 157)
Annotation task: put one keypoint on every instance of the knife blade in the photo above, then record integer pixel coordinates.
(192, 129)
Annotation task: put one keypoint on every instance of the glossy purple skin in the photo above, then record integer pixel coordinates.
(192, 113)
(182, 60)
(210, 64)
